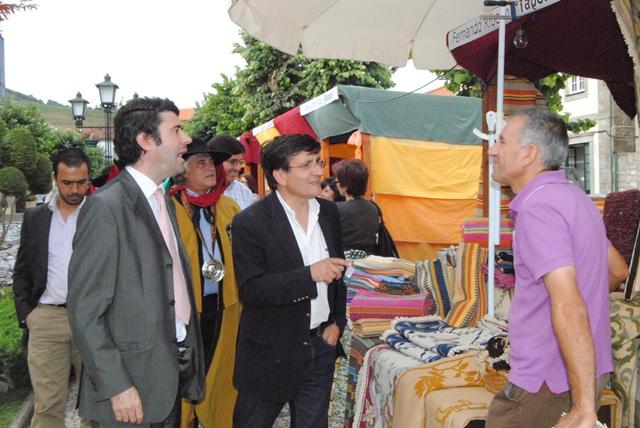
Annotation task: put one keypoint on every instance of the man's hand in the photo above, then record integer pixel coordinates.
(127, 406)
(328, 269)
(577, 419)
(331, 334)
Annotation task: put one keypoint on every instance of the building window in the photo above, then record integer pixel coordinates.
(579, 162)
(576, 85)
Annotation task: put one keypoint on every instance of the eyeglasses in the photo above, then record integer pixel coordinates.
(311, 163)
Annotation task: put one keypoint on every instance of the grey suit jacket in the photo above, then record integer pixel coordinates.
(121, 305)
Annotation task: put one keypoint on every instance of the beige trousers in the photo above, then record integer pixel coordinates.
(513, 407)
(51, 353)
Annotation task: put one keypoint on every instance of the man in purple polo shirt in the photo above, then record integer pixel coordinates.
(559, 319)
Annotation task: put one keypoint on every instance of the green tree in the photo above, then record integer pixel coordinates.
(17, 115)
(12, 181)
(273, 82)
(72, 139)
(21, 148)
(221, 112)
(40, 177)
(463, 82)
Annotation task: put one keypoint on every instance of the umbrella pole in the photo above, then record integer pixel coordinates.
(496, 124)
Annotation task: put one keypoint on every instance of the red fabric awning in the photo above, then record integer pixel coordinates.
(580, 37)
(291, 122)
(251, 147)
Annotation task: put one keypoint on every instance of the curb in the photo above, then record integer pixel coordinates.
(23, 418)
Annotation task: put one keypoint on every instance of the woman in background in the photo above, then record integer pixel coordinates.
(358, 217)
(330, 190)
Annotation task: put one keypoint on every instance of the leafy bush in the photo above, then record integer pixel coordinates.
(17, 115)
(12, 181)
(13, 356)
(21, 148)
(40, 177)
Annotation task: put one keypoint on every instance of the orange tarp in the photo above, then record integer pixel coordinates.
(424, 169)
(423, 219)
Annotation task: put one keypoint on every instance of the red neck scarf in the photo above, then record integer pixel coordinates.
(207, 199)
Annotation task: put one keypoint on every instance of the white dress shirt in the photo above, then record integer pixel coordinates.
(60, 247)
(313, 248)
(149, 187)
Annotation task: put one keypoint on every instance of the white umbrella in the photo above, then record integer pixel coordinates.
(384, 31)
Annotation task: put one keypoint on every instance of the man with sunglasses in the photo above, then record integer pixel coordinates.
(288, 257)
(235, 189)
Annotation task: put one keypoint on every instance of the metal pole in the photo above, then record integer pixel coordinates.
(107, 134)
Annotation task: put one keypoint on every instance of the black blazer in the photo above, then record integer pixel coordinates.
(32, 261)
(276, 289)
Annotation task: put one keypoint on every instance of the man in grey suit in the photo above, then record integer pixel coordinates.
(130, 301)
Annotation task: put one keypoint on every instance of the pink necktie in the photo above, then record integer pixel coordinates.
(183, 307)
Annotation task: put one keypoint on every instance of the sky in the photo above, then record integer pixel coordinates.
(153, 47)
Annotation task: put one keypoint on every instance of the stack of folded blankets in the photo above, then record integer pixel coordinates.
(380, 289)
(386, 275)
(429, 339)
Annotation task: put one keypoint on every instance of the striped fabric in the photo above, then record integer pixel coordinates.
(470, 301)
(476, 230)
(369, 304)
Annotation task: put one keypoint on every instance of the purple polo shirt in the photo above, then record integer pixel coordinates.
(556, 225)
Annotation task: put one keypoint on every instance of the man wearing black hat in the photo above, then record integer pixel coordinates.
(235, 189)
(204, 216)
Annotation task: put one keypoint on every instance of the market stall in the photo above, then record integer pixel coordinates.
(424, 160)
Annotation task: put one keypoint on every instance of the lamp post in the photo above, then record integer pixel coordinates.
(107, 90)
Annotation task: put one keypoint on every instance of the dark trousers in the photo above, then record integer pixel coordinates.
(309, 407)
(210, 321)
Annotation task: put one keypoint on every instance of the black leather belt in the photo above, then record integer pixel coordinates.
(55, 305)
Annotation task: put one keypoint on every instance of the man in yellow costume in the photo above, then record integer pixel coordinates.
(204, 217)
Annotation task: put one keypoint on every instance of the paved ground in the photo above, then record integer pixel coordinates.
(72, 420)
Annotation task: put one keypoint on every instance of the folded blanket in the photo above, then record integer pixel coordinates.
(369, 304)
(430, 338)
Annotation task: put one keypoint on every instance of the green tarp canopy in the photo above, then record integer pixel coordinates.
(399, 115)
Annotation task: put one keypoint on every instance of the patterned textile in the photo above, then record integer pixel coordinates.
(338, 400)
(470, 301)
(415, 386)
(430, 339)
(376, 385)
(371, 327)
(358, 349)
(378, 265)
(621, 217)
(431, 276)
(502, 279)
(625, 332)
(476, 230)
(456, 407)
(369, 304)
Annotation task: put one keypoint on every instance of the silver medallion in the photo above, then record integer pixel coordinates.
(213, 270)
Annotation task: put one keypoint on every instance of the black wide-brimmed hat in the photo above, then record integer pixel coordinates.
(200, 146)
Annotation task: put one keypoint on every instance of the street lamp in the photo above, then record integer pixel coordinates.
(79, 109)
(107, 90)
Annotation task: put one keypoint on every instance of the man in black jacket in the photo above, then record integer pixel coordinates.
(40, 287)
(289, 262)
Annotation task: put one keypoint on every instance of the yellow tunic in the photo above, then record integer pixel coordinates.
(216, 409)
